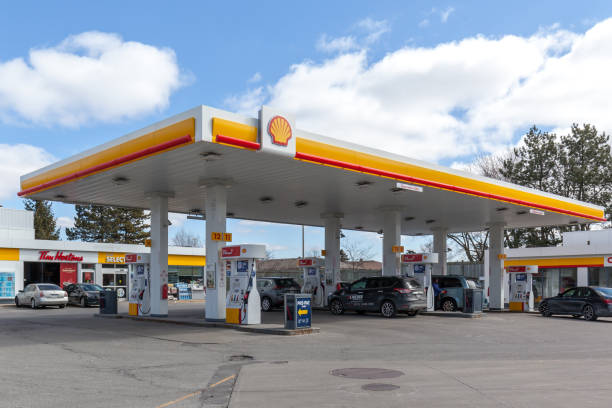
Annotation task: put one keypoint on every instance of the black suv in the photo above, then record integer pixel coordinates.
(387, 295)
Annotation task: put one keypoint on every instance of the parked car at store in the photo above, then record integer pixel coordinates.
(37, 295)
(387, 295)
(272, 291)
(84, 294)
(589, 302)
(452, 286)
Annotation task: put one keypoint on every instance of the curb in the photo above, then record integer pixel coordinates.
(455, 314)
(280, 331)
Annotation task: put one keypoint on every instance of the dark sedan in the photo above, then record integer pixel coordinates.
(84, 294)
(588, 302)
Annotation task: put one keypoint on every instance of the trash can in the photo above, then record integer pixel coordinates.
(472, 301)
(108, 302)
(298, 311)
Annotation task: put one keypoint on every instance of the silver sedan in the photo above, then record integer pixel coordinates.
(38, 295)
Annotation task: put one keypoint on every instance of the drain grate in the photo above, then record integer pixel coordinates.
(379, 387)
(366, 373)
(241, 357)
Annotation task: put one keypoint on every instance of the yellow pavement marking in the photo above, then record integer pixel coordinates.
(193, 394)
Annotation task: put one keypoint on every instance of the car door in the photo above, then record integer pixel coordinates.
(454, 289)
(28, 293)
(561, 304)
(578, 300)
(373, 294)
(353, 297)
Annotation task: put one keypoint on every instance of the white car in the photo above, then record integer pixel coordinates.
(38, 295)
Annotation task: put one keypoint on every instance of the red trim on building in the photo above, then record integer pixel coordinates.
(112, 163)
(238, 142)
(570, 266)
(397, 176)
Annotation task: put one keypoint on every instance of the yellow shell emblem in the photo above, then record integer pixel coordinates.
(280, 130)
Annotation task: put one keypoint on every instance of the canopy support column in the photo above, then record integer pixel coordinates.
(496, 266)
(159, 253)
(392, 229)
(216, 212)
(440, 246)
(332, 251)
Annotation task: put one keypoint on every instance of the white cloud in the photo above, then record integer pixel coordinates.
(339, 44)
(374, 29)
(255, 78)
(254, 223)
(18, 159)
(65, 222)
(89, 77)
(444, 14)
(368, 30)
(424, 23)
(455, 99)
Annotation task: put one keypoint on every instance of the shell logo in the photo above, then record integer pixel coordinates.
(280, 130)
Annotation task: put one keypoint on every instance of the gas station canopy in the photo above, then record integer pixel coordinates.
(277, 173)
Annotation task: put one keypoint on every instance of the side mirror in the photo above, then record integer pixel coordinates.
(21, 291)
(559, 294)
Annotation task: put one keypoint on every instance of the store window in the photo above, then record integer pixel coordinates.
(600, 277)
(553, 281)
(185, 274)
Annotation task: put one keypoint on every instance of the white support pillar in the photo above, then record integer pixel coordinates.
(332, 251)
(440, 247)
(159, 253)
(582, 276)
(216, 212)
(496, 266)
(392, 237)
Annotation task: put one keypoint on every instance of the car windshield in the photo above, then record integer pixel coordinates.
(411, 284)
(49, 287)
(286, 283)
(92, 288)
(473, 284)
(604, 291)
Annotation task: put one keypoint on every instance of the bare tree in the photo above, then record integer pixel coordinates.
(269, 254)
(357, 252)
(186, 239)
(473, 244)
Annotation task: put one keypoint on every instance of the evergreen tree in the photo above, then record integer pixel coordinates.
(94, 223)
(535, 164)
(586, 167)
(45, 226)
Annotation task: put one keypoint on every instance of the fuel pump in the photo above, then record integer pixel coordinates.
(314, 280)
(419, 267)
(140, 284)
(521, 287)
(243, 305)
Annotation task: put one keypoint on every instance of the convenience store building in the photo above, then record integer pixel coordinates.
(25, 260)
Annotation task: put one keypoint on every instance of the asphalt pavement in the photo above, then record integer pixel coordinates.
(68, 358)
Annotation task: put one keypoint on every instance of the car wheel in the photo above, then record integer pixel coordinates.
(17, 302)
(545, 310)
(62, 306)
(33, 303)
(83, 302)
(448, 305)
(589, 313)
(266, 304)
(336, 307)
(412, 313)
(387, 309)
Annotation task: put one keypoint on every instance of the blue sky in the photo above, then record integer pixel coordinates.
(237, 55)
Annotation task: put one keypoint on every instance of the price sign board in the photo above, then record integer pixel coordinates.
(221, 236)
